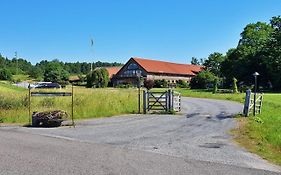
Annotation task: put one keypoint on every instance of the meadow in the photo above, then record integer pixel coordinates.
(88, 103)
(260, 134)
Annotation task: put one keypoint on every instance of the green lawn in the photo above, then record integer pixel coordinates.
(88, 103)
(261, 134)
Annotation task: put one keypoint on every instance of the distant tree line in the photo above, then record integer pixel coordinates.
(258, 50)
(55, 70)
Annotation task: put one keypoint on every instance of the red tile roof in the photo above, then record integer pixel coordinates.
(112, 70)
(155, 66)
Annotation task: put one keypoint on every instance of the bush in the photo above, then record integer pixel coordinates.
(160, 83)
(5, 74)
(148, 84)
(234, 85)
(182, 84)
(124, 85)
(202, 80)
(98, 78)
(215, 88)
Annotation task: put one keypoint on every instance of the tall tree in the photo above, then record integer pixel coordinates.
(195, 61)
(213, 63)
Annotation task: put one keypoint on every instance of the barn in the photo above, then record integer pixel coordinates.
(154, 70)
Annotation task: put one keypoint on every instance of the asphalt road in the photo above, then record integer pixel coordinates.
(196, 142)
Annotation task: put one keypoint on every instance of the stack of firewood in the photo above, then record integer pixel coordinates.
(48, 118)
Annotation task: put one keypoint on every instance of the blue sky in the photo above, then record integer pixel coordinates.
(171, 30)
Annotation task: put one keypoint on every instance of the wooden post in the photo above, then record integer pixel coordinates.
(72, 106)
(172, 100)
(144, 101)
(247, 103)
(29, 105)
(167, 100)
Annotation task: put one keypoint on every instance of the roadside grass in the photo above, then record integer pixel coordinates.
(260, 135)
(88, 103)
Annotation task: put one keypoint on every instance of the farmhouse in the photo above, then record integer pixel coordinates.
(154, 70)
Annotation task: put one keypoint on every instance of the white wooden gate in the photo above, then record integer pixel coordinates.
(161, 101)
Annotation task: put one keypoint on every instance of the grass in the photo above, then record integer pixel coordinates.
(260, 135)
(88, 103)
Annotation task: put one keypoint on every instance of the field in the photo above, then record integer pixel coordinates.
(261, 134)
(88, 103)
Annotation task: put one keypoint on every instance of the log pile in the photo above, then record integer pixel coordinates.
(48, 118)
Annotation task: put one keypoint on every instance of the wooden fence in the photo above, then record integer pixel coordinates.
(161, 101)
(251, 105)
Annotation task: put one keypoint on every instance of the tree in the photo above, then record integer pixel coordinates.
(98, 78)
(213, 63)
(247, 58)
(5, 74)
(202, 80)
(272, 54)
(195, 61)
(54, 72)
(35, 72)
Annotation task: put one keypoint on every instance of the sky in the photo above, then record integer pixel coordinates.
(168, 30)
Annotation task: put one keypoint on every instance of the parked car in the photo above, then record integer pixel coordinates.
(48, 86)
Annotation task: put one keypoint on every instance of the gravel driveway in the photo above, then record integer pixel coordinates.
(200, 132)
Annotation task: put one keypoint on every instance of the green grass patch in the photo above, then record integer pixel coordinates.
(88, 103)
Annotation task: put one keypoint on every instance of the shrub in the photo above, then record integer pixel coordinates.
(98, 78)
(148, 84)
(182, 84)
(5, 74)
(234, 85)
(202, 80)
(160, 83)
(215, 88)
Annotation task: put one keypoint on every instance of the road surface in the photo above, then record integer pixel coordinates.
(195, 142)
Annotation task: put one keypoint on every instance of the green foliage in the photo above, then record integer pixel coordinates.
(54, 72)
(195, 61)
(234, 85)
(202, 80)
(160, 83)
(98, 78)
(148, 84)
(182, 84)
(258, 50)
(215, 88)
(213, 63)
(36, 73)
(5, 74)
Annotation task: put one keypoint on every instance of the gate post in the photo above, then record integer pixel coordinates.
(144, 101)
(167, 99)
(247, 103)
(172, 100)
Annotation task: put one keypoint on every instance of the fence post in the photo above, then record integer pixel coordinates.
(247, 103)
(172, 100)
(144, 101)
(166, 99)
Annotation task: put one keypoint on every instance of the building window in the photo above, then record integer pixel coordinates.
(133, 66)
